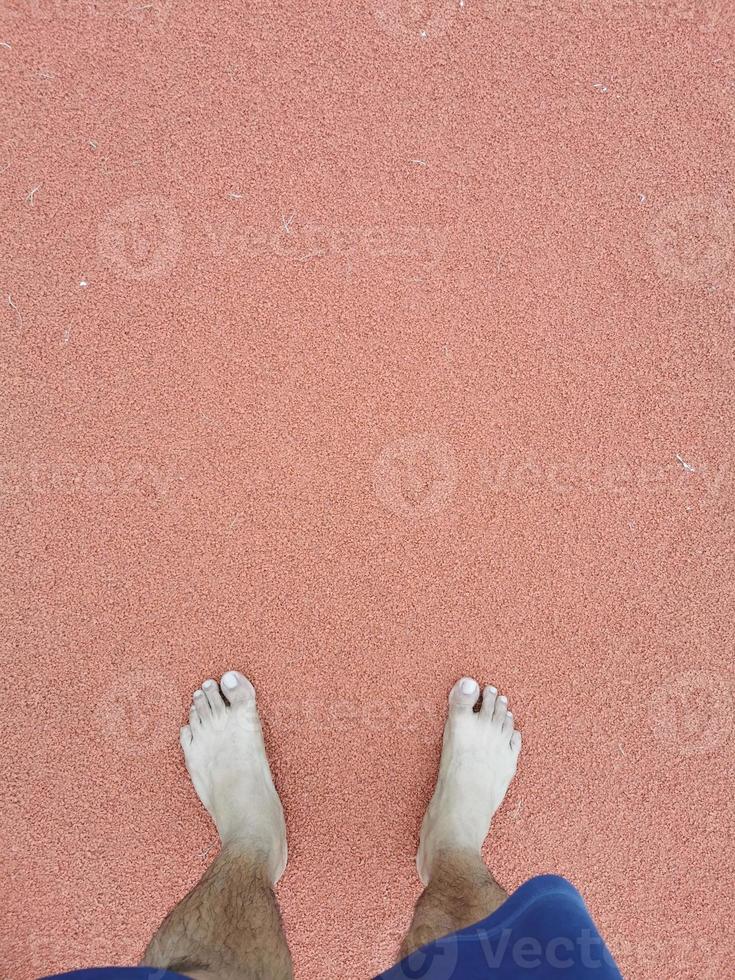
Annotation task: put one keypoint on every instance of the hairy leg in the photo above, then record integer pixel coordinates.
(228, 927)
(461, 891)
(479, 756)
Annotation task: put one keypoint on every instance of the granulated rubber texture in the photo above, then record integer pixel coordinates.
(357, 347)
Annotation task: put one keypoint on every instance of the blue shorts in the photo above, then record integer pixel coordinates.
(542, 931)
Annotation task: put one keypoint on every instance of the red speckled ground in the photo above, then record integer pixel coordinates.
(357, 347)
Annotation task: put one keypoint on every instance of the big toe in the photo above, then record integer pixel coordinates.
(237, 688)
(463, 696)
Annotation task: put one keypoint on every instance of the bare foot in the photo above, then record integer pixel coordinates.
(478, 761)
(225, 755)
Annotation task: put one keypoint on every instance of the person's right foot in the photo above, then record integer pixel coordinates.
(478, 761)
(225, 755)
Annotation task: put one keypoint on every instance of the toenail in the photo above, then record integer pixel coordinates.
(208, 684)
(468, 686)
(503, 698)
(198, 694)
(493, 690)
(230, 679)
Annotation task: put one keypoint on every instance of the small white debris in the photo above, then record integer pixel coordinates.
(6, 44)
(83, 283)
(67, 334)
(600, 87)
(234, 196)
(421, 163)
(687, 466)
(15, 309)
(424, 34)
(31, 195)
(642, 198)
(287, 222)
(93, 144)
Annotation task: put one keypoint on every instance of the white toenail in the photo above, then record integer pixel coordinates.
(503, 698)
(198, 694)
(208, 684)
(493, 690)
(230, 679)
(468, 686)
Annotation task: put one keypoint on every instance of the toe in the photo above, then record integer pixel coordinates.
(213, 696)
(489, 696)
(464, 695)
(202, 705)
(185, 737)
(194, 719)
(515, 742)
(501, 709)
(237, 689)
(508, 724)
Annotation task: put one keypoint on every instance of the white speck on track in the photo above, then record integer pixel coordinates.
(31, 195)
(15, 309)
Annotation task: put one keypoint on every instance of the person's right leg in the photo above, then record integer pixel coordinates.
(479, 756)
(228, 927)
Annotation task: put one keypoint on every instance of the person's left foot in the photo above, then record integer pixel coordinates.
(225, 755)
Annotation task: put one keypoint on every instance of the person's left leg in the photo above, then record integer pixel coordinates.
(228, 927)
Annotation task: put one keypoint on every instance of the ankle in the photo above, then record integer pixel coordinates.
(247, 851)
(456, 859)
(449, 860)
